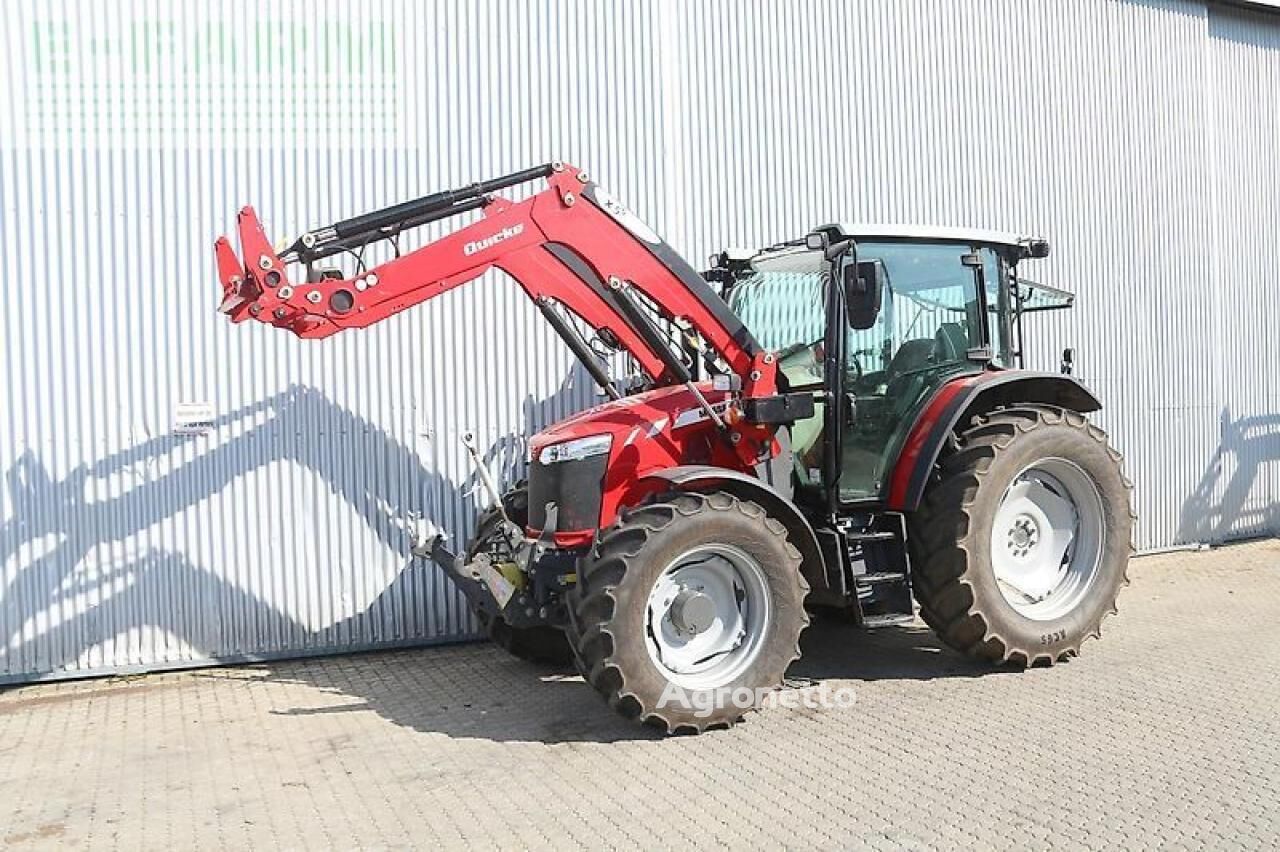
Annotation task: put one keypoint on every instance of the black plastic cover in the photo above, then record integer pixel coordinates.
(783, 408)
(576, 487)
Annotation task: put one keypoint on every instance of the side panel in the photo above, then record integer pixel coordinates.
(962, 398)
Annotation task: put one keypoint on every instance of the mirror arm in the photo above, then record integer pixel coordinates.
(836, 250)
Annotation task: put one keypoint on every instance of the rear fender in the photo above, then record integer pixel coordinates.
(703, 478)
(956, 403)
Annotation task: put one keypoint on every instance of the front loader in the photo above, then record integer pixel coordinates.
(839, 423)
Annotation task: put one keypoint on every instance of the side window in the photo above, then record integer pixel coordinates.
(783, 309)
(783, 302)
(930, 312)
(997, 310)
(930, 318)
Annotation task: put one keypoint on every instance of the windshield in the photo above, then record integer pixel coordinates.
(929, 293)
(781, 300)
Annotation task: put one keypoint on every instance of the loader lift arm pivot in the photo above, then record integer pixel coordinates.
(569, 244)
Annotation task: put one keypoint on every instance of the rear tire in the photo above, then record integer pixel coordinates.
(991, 572)
(725, 558)
(533, 644)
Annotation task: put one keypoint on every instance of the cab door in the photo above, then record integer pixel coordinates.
(931, 327)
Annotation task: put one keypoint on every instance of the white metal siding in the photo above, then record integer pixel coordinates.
(1139, 137)
(1238, 492)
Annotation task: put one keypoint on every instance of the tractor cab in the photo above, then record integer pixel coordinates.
(927, 305)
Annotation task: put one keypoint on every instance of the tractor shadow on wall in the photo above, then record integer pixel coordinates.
(1216, 510)
(75, 586)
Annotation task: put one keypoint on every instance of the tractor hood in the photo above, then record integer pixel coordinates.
(633, 421)
(596, 461)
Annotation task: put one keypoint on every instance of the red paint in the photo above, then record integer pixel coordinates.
(921, 431)
(651, 431)
(437, 267)
(513, 237)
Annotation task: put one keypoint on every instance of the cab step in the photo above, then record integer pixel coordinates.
(895, 619)
(879, 572)
(879, 535)
(880, 577)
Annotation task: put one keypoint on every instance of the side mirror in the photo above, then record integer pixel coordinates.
(863, 283)
(1037, 248)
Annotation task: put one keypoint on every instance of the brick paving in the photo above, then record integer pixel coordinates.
(1165, 734)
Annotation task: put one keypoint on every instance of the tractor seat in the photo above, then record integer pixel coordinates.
(905, 376)
(953, 342)
(912, 355)
(949, 344)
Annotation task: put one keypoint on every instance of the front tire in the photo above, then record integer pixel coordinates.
(687, 610)
(1022, 542)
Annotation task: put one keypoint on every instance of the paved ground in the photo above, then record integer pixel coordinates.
(1167, 733)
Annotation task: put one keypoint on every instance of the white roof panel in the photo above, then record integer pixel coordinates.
(871, 231)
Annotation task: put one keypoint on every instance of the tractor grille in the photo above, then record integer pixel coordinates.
(576, 487)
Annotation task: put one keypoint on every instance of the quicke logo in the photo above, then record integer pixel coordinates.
(488, 242)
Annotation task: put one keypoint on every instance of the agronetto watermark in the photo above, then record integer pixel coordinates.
(704, 702)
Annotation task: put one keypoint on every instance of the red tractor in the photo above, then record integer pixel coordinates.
(841, 427)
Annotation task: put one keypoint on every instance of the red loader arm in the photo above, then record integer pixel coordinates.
(570, 243)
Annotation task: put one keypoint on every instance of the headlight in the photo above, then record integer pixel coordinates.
(579, 448)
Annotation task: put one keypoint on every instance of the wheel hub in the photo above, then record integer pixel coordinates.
(707, 616)
(692, 611)
(1024, 535)
(1046, 539)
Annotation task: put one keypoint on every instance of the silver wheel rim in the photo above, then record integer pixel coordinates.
(1047, 539)
(707, 616)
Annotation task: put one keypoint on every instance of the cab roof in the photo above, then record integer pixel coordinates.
(871, 231)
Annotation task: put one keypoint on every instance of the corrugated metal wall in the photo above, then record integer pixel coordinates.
(1140, 136)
